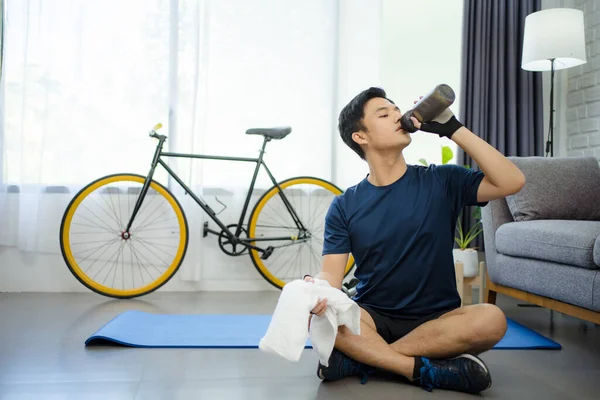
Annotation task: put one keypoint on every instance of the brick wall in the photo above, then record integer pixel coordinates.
(583, 99)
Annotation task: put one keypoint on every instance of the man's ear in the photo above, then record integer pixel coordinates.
(359, 137)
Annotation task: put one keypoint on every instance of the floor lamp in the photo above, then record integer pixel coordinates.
(553, 39)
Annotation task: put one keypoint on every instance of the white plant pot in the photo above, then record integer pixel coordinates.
(470, 261)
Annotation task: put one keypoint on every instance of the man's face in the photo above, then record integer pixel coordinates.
(382, 122)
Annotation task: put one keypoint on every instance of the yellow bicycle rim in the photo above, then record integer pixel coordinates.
(109, 291)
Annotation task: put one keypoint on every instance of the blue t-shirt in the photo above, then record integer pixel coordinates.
(401, 236)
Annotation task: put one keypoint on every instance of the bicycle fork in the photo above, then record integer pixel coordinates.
(138, 204)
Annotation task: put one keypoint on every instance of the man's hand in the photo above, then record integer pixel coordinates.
(444, 124)
(321, 305)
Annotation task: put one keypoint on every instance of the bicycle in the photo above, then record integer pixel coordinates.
(130, 218)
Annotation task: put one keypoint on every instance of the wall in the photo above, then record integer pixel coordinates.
(378, 57)
(582, 136)
(421, 48)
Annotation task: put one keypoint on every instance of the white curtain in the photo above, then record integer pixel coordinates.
(84, 81)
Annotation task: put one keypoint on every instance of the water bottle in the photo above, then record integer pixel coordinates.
(429, 107)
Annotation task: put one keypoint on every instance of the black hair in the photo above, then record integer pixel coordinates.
(351, 117)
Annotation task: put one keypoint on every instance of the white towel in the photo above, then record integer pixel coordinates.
(288, 331)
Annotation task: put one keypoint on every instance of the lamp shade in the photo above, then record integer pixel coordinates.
(556, 33)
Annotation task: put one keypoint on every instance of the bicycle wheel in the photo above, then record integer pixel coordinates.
(108, 262)
(294, 257)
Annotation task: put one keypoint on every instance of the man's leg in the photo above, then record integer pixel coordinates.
(471, 329)
(353, 354)
(369, 348)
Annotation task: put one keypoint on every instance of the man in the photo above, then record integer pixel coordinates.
(399, 225)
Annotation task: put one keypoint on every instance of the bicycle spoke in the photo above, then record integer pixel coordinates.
(288, 259)
(314, 257)
(90, 226)
(274, 224)
(150, 214)
(156, 237)
(161, 229)
(95, 249)
(114, 209)
(157, 248)
(316, 215)
(110, 258)
(295, 258)
(141, 265)
(114, 266)
(158, 244)
(115, 219)
(88, 242)
(147, 262)
(281, 220)
(154, 222)
(119, 202)
(131, 263)
(150, 251)
(108, 228)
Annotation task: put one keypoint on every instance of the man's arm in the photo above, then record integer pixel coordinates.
(502, 177)
(334, 266)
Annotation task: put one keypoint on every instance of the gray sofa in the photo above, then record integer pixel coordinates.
(542, 245)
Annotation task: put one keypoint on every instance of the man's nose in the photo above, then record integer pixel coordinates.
(398, 116)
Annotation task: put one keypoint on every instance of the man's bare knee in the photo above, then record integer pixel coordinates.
(367, 330)
(488, 326)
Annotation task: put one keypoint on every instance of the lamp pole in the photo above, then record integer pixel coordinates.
(550, 141)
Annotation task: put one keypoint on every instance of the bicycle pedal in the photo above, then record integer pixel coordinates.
(267, 253)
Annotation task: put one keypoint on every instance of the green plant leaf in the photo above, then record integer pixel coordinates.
(472, 234)
(446, 154)
(476, 214)
(423, 161)
(463, 240)
(459, 228)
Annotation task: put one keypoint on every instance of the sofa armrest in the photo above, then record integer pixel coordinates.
(494, 215)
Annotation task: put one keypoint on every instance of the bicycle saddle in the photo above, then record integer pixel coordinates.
(273, 133)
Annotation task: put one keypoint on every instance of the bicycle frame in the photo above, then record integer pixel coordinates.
(233, 237)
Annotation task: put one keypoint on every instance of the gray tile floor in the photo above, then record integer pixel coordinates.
(42, 356)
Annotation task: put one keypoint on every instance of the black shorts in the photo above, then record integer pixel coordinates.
(392, 329)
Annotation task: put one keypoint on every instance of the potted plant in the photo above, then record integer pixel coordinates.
(468, 256)
(464, 254)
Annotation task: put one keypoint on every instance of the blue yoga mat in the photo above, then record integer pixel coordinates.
(141, 329)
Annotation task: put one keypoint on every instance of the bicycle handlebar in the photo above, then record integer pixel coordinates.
(153, 131)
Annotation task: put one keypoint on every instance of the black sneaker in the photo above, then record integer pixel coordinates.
(341, 366)
(465, 373)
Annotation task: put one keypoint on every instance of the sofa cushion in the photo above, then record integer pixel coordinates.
(567, 242)
(577, 286)
(557, 188)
